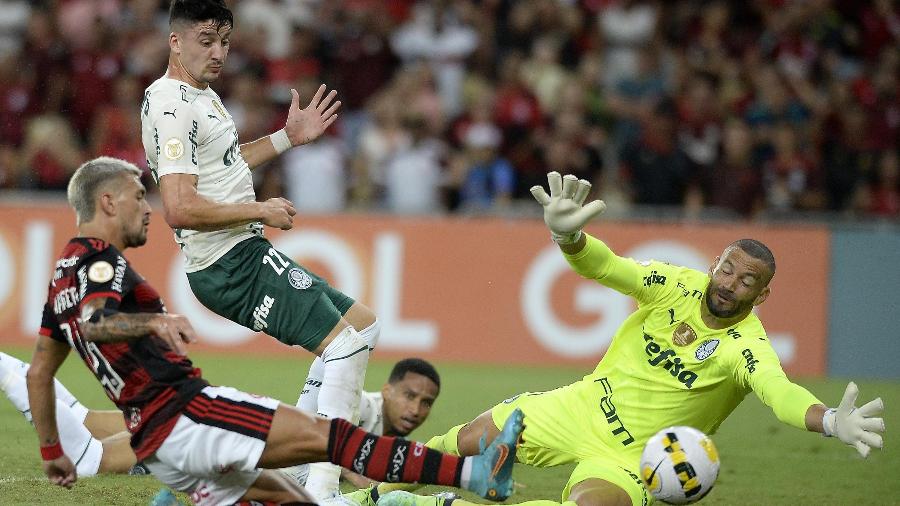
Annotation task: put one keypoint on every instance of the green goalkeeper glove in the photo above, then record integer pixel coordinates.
(564, 213)
(856, 426)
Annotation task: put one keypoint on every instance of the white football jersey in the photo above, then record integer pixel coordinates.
(186, 130)
(371, 417)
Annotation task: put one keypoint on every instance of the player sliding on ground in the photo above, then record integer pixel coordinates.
(688, 356)
(98, 442)
(216, 443)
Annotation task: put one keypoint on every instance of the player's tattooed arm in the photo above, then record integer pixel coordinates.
(102, 325)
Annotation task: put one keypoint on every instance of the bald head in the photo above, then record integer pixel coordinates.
(756, 250)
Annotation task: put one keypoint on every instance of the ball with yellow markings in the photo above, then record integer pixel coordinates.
(679, 465)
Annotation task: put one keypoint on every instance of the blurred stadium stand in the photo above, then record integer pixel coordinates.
(771, 109)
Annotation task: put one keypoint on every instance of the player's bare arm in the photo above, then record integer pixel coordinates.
(48, 356)
(185, 208)
(100, 326)
(302, 127)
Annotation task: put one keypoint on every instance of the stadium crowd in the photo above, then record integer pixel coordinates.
(733, 108)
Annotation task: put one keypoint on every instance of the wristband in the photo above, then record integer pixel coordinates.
(827, 422)
(280, 141)
(51, 452)
(570, 238)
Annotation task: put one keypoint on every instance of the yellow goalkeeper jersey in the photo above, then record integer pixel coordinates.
(666, 367)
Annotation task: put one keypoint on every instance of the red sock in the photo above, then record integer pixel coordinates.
(390, 459)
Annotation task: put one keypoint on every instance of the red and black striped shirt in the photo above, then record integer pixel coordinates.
(148, 381)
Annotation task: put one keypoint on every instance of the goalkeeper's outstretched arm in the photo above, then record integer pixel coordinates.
(566, 214)
(796, 406)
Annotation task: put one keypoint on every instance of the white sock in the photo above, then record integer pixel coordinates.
(16, 366)
(76, 439)
(308, 402)
(345, 361)
(63, 395)
(13, 385)
(12, 364)
(465, 476)
(309, 396)
(371, 334)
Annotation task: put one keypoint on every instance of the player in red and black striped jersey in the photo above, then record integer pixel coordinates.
(147, 380)
(218, 444)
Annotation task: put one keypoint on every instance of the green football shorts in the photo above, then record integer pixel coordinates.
(565, 426)
(265, 290)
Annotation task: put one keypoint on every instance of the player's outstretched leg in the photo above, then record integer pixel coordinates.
(491, 476)
(344, 368)
(295, 437)
(492, 472)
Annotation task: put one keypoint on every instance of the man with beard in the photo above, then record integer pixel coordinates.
(688, 356)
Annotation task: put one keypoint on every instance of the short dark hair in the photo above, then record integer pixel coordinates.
(757, 250)
(195, 11)
(414, 365)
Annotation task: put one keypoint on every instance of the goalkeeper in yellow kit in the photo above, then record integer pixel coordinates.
(688, 356)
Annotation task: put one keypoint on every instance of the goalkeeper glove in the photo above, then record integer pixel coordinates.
(564, 213)
(855, 426)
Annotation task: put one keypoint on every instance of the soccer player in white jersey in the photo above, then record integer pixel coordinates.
(204, 176)
(400, 407)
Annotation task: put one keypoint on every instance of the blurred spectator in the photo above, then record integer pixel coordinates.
(487, 180)
(656, 166)
(272, 20)
(735, 183)
(790, 176)
(542, 72)
(117, 130)
(882, 196)
(437, 35)
(626, 26)
(12, 25)
(93, 69)
(381, 139)
(52, 151)
(314, 175)
(414, 175)
(700, 129)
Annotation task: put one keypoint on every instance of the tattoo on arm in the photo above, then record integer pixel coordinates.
(118, 327)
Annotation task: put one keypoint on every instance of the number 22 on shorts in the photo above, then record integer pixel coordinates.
(273, 258)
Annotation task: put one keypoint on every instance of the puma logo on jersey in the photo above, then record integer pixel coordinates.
(670, 361)
(167, 113)
(261, 312)
(213, 116)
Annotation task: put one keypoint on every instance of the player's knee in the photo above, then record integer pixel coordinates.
(469, 435)
(371, 333)
(346, 345)
(597, 492)
(275, 487)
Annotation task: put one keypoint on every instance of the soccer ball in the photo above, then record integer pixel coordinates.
(679, 465)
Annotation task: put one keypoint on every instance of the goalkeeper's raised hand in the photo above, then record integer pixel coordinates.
(858, 427)
(564, 212)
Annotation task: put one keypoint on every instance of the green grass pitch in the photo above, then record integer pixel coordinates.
(763, 461)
